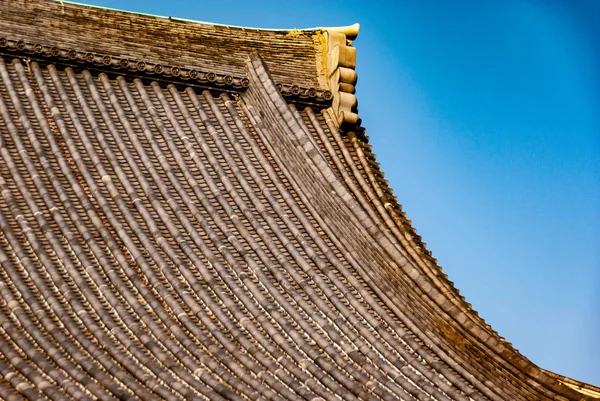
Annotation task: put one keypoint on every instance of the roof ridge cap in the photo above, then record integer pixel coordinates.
(351, 31)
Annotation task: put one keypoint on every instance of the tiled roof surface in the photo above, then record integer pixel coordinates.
(161, 239)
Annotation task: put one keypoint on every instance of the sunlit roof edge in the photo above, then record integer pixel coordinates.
(351, 31)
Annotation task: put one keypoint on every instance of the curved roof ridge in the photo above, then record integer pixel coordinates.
(500, 354)
(494, 341)
(294, 56)
(310, 63)
(351, 31)
(579, 386)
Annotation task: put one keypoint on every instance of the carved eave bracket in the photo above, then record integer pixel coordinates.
(341, 62)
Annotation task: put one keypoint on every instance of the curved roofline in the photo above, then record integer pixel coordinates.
(433, 313)
(351, 31)
(156, 44)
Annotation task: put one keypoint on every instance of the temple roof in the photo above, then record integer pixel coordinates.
(193, 211)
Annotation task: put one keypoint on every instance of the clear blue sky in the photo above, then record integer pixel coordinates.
(486, 119)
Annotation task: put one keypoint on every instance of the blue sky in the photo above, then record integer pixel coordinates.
(485, 118)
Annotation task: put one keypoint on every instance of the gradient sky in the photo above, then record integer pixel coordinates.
(485, 117)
